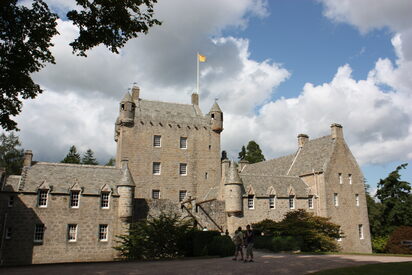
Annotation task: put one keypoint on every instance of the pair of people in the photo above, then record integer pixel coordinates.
(244, 240)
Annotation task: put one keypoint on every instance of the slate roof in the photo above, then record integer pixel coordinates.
(278, 166)
(61, 177)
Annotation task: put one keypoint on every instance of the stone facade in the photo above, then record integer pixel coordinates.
(168, 159)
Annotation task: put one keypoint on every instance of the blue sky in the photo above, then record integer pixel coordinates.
(278, 68)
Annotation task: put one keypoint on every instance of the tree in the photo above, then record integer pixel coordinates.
(395, 197)
(11, 157)
(88, 158)
(72, 156)
(111, 162)
(374, 213)
(252, 153)
(25, 35)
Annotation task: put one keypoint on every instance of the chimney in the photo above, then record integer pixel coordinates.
(302, 139)
(28, 157)
(195, 99)
(135, 93)
(123, 163)
(336, 131)
(242, 164)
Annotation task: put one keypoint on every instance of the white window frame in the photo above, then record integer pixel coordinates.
(157, 141)
(105, 200)
(183, 143)
(291, 202)
(39, 233)
(251, 202)
(182, 195)
(154, 191)
(8, 233)
(336, 199)
(42, 201)
(310, 202)
(360, 231)
(340, 178)
(73, 193)
(103, 232)
(272, 202)
(183, 169)
(11, 201)
(156, 168)
(357, 203)
(72, 233)
(350, 178)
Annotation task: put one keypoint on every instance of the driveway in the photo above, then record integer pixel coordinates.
(265, 263)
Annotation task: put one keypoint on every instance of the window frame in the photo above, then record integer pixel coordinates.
(360, 232)
(272, 202)
(184, 143)
(72, 192)
(183, 169)
(153, 194)
(184, 193)
(103, 200)
(336, 199)
(292, 203)
(357, 201)
(39, 230)
(157, 141)
(340, 178)
(310, 202)
(251, 202)
(40, 198)
(103, 233)
(350, 178)
(154, 164)
(70, 237)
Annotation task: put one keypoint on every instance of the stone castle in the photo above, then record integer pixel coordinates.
(169, 159)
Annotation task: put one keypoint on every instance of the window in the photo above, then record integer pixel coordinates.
(272, 202)
(72, 232)
(8, 233)
(155, 194)
(182, 195)
(156, 168)
(104, 200)
(157, 141)
(103, 232)
(310, 202)
(292, 202)
(360, 230)
(350, 178)
(206, 175)
(335, 199)
(357, 199)
(42, 197)
(340, 178)
(74, 199)
(183, 169)
(250, 202)
(11, 201)
(39, 232)
(183, 142)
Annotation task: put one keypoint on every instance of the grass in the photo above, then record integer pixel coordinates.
(353, 253)
(375, 269)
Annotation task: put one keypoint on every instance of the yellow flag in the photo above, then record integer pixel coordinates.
(202, 58)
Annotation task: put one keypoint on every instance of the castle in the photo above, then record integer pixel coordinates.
(169, 158)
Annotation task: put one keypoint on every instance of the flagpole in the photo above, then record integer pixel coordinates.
(197, 74)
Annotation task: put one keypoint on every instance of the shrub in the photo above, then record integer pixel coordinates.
(263, 242)
(394, 245)
(379, 244)
(286, 243)
(201, 240)
(222, 246)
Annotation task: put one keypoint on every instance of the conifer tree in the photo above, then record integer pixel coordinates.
(11, 157)
(88, 158)
(72, 156)
(252, 153)
(111, 162)
(242, 153)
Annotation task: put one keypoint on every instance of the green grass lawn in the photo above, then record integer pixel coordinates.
(375, 269)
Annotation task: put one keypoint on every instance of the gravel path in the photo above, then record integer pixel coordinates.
(265, 263)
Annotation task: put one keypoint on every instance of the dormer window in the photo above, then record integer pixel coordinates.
(272, 202)
(42, 197)
(291, 202)
(74, 198)
(251, 202)
(104, 200)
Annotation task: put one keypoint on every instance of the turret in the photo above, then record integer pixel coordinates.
(125, 188)
(127, 107)
(216, 116)
(233, 191)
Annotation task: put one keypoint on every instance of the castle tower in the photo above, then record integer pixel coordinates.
(126, 112)
(216, 115)
(233, 191)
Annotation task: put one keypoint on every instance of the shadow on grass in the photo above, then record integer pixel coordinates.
(375, 269)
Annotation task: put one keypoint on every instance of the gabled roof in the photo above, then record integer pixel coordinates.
(278, 166)
(61, 177)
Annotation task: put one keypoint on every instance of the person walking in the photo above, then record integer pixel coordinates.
(238, 241)
(249, 237)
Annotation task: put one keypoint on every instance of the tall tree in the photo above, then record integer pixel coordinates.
(72, 156)
(252, 153)
(374, 213)
(25, 35)
(111, 162)
(395, 197)
(88, 158)
(11, 156)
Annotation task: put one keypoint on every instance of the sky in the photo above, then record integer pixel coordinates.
(278, 68)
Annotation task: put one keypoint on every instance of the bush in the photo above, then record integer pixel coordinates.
(222, 246)
(201, 240)
(379, 244)
(263, 242)
(287, 243)
(394, 245)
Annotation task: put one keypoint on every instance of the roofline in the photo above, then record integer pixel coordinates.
(75, 165)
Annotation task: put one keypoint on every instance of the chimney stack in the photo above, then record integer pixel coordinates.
(336, 131)
(28, 157)
(242, 164)
(195, 99)
(302, 139)
(135, 93)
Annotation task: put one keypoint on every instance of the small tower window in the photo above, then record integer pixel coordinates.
(357, 199)
(272, 202)
(156, 168)
(156, 194)
(340, 178)
(292, 202)
(182, 195)
(157, 141)
(206, 175)
(183, 169)
(350, 178)
(212, 116)
(183, 142)
(251, 202)
(360, 231)
(335, 199)
(310, 202)
(122, 107)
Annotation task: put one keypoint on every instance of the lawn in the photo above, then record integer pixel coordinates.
(375, 269)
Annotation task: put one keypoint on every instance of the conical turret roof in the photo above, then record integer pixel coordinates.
(127, 97)
(215, 108)
(233, 174)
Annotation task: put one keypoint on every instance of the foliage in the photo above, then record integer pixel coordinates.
(111, 162)
(222, 246)
(267, 227)
(263, 242)
(374, 213)
(379, 244)
(252, 153)
(26, 33)
(155, 238)
(394, 245)
(25, 36)
(200, 241)
(11, 157)
(285, 243)
(72, 156)
(395, 198)
(88, 158)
